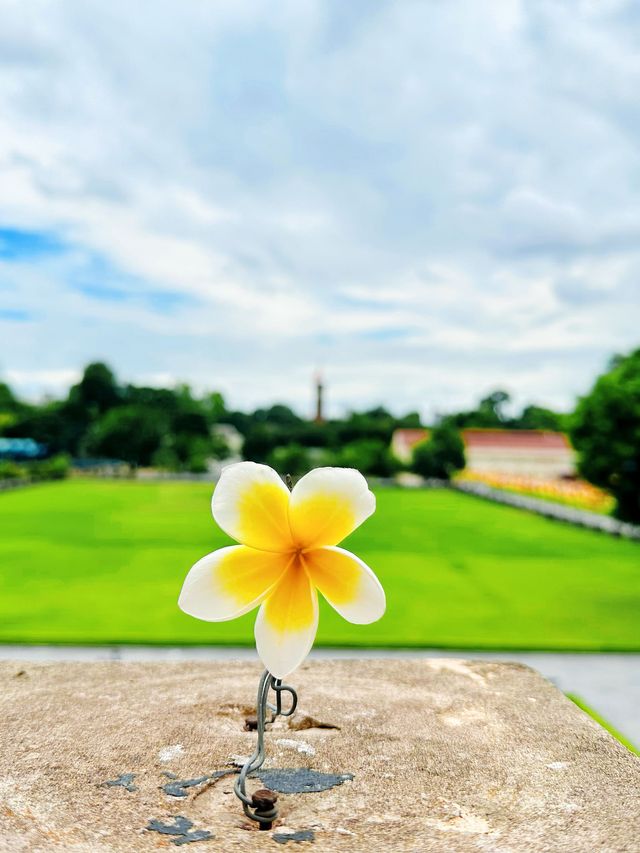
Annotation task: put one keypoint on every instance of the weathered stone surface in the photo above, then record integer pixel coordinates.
(446, 756)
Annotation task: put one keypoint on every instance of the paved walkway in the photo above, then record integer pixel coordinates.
(609, 683)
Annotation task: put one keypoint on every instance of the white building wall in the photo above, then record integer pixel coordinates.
(548, 464)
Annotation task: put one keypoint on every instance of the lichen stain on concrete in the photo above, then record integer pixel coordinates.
(301, 780)
(180, 829)
(124, 780)
(178, 787)
(300, 835)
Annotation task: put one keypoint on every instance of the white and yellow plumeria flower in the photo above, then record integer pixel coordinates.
(288, 552)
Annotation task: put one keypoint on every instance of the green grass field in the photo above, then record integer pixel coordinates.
(103, 562)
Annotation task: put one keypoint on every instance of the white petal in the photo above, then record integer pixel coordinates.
(251, 504)
(287, 623)
(327, 504)
(230, 582)
(347, 583)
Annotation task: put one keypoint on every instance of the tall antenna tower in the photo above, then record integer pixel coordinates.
(319, 418)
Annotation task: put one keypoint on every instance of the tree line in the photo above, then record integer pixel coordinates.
(175, 429)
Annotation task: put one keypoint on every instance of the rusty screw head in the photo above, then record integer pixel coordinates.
(264, 799)
(264, 803)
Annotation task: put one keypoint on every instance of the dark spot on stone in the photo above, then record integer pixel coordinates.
(124, 780)
(178, 787)
(20, 673)
(300, 835)
(181, 829)
(301, 780)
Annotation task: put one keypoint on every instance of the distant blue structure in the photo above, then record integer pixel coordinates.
(21, 448)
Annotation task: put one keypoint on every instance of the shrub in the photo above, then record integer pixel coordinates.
(368, 455)
(55, 468)
(290, 459)
(441, 455)
(12, 471)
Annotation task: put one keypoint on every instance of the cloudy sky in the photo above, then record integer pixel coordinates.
(426, 200)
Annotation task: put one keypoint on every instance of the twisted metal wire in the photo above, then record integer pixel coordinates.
(255, 762)
(264, 816)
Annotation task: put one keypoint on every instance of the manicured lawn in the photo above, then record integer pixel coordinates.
(103, 562)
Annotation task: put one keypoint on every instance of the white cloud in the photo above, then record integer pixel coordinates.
(426, 199)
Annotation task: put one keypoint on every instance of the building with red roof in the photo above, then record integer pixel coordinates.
(528, 452)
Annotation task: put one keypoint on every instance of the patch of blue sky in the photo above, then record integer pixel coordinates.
(104, 292)
(17, 244)
(98, 279)
(15, 315)
(264, 130)
(388, 334)
(166, 301)
(359, 302)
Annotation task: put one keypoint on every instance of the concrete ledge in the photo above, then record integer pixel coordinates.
(446, 755)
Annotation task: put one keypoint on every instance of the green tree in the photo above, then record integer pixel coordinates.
(190, 422)
(490, 413)
(411, 420)
(8, 402)
(278, 415)
(441, 455)
(185, 451)
(130, 433)
(59, 426)
(374, 424)
(97, 391)
(491, 408)
(290, 459)
(537, 417)
(198, 452)
(215, 407)
(605, 431)
(10, 407)
(369, 456)
(260, 440)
